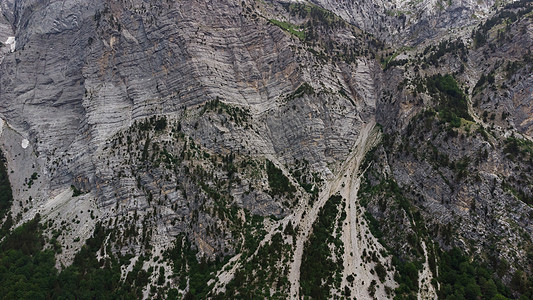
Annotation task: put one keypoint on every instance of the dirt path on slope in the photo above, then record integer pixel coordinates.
(356, 235)
(346, 182)
(426, 290)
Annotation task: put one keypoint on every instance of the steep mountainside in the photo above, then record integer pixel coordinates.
(411, 22)
(215, 149)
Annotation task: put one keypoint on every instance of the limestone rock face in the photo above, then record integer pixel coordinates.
(239, 128)
(410, 22)
(84, 74)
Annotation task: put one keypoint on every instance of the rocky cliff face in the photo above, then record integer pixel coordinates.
(411, 22)
(181, 135)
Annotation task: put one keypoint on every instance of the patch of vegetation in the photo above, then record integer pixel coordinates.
(483, 80)
(32, 179)
(462, 278)
(317, 15)
(407, 254)
(237, 114)
(297, 31)
(27, 271)
(392, 63)
(145, 148)
(407, 277)
(304, 89)
(452, 105)
(90, 278)
(406, 270)
(520, 194)
(262, 272)
(253, 234)
(374, 227)
(387, 189)
(317, 26)
(510, 13)
(160, 124)
(6, 194)
(75, 191)
(309, 182)
(435, 53)
(279, 183)
(187, 268)
(319, 273)
(516, 148)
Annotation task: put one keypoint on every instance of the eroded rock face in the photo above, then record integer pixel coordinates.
(466, 180)
(225, 122)
(410, 22)
(84, 75)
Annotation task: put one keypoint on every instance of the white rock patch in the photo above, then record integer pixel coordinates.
(25, 143)
(11, 41)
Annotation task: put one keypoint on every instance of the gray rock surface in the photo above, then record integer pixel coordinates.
(164, 119)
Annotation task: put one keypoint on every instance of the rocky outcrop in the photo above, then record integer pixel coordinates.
(222, 129)
(410, 22)
(89, 75)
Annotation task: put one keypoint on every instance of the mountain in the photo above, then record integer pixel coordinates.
(266, 149)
